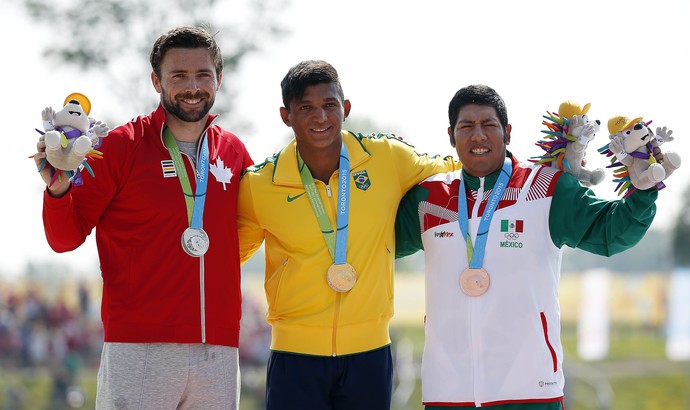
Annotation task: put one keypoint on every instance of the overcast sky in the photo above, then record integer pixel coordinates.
(400, 63)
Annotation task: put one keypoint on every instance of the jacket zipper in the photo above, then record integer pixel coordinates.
(202, 293)
(336, 310)
(202, 273)
(202, 299)
(336, 316)
(477, 366)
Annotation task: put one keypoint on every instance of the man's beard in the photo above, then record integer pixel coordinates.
(173, 107)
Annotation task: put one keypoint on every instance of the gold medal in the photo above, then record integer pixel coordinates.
(474, 281)
(341, 277)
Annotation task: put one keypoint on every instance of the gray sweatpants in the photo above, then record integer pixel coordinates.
(152, 376)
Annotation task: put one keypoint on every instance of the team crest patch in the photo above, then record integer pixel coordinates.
(168, 168)
(361, 180)
(511, 230)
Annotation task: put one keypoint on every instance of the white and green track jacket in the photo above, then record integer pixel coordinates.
(504, 346)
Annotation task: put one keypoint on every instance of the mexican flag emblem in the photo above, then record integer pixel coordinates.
(511, 225)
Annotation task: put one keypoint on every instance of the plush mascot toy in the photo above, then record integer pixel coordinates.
(635, 153)
(568, 134)
(71, 138)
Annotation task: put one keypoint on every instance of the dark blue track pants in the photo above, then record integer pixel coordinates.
(361, 381)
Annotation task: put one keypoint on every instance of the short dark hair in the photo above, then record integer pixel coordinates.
(304, 74)
(185, 37)
(481, 95)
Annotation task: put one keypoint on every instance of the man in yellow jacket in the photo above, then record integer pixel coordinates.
(326, 206)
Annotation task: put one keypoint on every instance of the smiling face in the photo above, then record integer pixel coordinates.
(317, 118)
(187, 83)
(72, 115)
(479, 139)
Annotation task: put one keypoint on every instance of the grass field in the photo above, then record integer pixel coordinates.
(635, 376)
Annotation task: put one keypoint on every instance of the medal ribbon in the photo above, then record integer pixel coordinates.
(475, 255)
(336, 241)
(194, 201)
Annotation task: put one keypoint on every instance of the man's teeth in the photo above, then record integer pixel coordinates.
(480, 151)
(195, 101)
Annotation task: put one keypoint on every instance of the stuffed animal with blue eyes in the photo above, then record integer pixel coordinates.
(71, 138)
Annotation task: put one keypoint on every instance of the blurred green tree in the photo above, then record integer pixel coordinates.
(115, 37)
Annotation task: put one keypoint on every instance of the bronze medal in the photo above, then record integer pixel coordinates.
(474, 281)
(341, 277)
(195, 242)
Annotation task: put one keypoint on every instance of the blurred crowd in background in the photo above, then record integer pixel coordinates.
(37, 332)
(60, 330)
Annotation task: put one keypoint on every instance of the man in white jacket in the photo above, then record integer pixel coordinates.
(493, 235)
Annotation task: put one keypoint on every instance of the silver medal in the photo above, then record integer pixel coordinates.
(195, 241)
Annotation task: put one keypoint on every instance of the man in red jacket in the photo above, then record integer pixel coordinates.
(163, 202)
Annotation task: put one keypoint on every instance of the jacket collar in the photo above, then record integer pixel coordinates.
(286, 171)
(158, 121)
(473, 182)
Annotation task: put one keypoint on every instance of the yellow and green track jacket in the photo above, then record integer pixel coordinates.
(306, 315)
